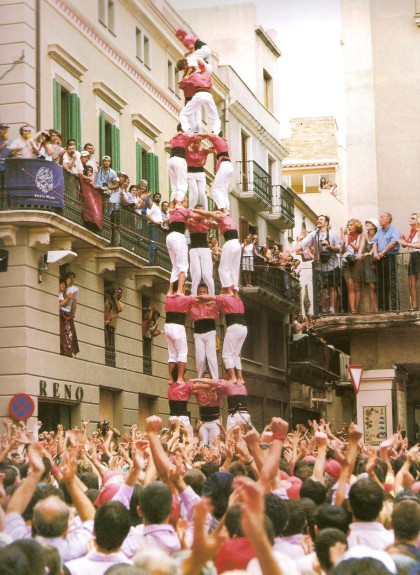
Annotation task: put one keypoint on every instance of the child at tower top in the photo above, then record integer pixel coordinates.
(197, 49)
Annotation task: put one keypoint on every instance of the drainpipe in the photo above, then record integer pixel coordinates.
(38, 64)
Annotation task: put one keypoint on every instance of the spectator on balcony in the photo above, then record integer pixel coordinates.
(247, 262)
(165, 216)
(334, 190)
(154, 222)
(322, 183)
(88, 177)
(385, 249)
(117, 307)
(71, 160)
(106, 178)
(4, 151)
(266, 253)
(67, 298)
(92, 161)
(352, 266)
(275, 256)
(46, 150)
(196, 157)
(25, 146)
(58, 150)
(224, 172)
(369, 269)
(412, 242)
(216, 250)
(130, 196)
(327, 246)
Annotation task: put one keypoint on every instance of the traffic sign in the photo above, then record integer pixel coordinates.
(21, 406)
(356, 372)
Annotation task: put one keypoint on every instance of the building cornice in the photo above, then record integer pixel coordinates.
(146, 126)
(261, 33)
(258, 130)
(66, 60)
(109, 96)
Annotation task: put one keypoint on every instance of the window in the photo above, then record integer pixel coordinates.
(66, 114)
(147, 407)
(173, 78)
(312, 183)
(147, 168)
(251, 347)
(276, 342)
(268, 90)
(142, 47)
(106, 14)
(109, 140)
(110, 406)
(245, 228)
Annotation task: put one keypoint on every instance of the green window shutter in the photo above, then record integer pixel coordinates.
(72, 124)
(115, 148)
(78, 122)
(57, 105)
(139, 162)
(156, 170)
(153, 172)
(66, 129)
(101, 134)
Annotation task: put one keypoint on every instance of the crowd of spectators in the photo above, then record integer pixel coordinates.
(312, 500)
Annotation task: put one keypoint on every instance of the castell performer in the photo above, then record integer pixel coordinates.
(201, 263)
(204, 314)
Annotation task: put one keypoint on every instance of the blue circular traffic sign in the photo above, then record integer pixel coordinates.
(21, 406)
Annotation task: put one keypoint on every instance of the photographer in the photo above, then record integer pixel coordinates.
(327, 247)
(107, 180)
(71, 159)
(104, 426)
(46, 149)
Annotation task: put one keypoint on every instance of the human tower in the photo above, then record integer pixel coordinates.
(186, 174)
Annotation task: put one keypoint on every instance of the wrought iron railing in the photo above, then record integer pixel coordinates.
(311, 349)
(253, 178)
(287, 205)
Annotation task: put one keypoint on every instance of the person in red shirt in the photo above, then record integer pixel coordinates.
(196, 48)
(209, 399)
(224, 172)
(201, 80)
(204, 315)
(233, 309)
(201, 263)
(196, 157)
(177, 307)
(177, 166)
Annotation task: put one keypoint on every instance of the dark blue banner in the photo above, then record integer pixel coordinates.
(34, 183)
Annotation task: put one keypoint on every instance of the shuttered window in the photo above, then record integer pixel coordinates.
(109, 141)
(115, 147)
(72, 123)
(139, 162)
(152, 171)
(57, 105)
(102, 134)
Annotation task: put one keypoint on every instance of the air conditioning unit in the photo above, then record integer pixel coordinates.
(344, 364)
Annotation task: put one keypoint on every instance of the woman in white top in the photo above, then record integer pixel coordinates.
(413, 245)
(352, 267)
(248, 259)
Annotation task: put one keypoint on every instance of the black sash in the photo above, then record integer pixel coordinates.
(177, 227)
(195, 169)
(175, 317)
(178, 152)
(234, 400)
(204, 325)
(232, 318)
(199, 44)
(199, 240)
(178, 407)
(208, 413)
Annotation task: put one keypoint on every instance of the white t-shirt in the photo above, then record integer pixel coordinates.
(74, 290)
(155, 213)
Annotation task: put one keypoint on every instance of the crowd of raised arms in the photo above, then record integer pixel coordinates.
(310, 500)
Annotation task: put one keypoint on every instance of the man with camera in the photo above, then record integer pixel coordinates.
(327, 247)
(104, 426)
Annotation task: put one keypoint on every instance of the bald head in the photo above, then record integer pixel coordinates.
(51, 517)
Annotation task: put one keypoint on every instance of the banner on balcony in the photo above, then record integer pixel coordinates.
(91, 205)
(34, 183)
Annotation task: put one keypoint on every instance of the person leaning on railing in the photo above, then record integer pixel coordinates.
(412, 242)
(385, 248)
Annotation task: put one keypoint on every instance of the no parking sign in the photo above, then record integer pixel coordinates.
(21, 406)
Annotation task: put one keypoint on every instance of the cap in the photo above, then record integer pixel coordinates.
(106, 158)
(4, 126)
(84, 153)
(373, 221)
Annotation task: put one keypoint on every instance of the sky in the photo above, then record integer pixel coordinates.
(308, 36)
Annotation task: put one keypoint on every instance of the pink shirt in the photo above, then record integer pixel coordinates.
(180, 141)
(179, 303)
(207, 310)
(180, 215)
(189, 42)
(231, 388)
(209, 397)
(221, 146)
(230, 304)
(200, 81)
(198, 226)
(197, 158)
(226, 223)
(180, 391)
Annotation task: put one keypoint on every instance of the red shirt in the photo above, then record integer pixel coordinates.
(221, 146)
(232, 388)
(200, 81)
(206, 310)
(180, 141)
(189, 42)
(230, 304)
(180, 215)
(226, 223)
(180, 391)
(198, 226)
(209, 397)
(179, 303)
(198, 158)
(189, 90)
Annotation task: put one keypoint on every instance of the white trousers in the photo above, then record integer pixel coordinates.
(208, 431)
(187, 114)
(197, 189)
(220, 189)
(176, 339)
(178, 178)
(232, 345)
(201, 268)
(230, 264)
(205, 349)
(237, 419)
(178, 252)
(202, 53)
(182, 418)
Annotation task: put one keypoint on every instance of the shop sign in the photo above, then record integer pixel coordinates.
(60, 391)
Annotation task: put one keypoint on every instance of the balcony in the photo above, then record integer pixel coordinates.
(385, 297)
(270, 285)
(282, 215)
(312, 362)
(123, 238)
(253, 187)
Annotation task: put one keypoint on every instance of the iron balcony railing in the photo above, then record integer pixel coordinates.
(311, 350)
(252, 178)
(273, 279)
(287, 205)
(366, 285)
